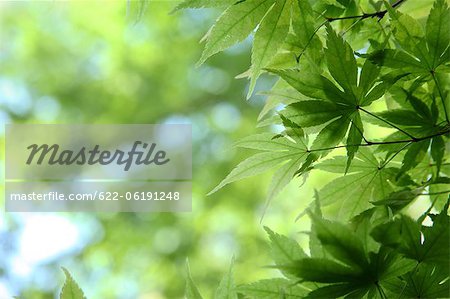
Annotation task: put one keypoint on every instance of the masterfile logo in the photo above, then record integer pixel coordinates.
(136, 168)
(54, 155)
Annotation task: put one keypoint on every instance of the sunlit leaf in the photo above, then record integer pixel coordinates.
(366, 181)
(203, 4)
(284, 250)
(234, 25)
(275, 288)
(192, 291)
(71, 290)
(227, 287)
(269, 38)
(287, 153)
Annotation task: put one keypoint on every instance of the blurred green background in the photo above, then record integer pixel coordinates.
(100, 62)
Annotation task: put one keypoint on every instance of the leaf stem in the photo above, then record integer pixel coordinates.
(441, 94)
(394, 155)
(360, 131)
(297, 58)
(379, 14)
(387, 122)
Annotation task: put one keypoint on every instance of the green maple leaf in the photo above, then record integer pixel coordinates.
(365, 181)
(227, 287)
(203, 4)
(192, 291)
(419, 121)
(338, 106)
(71, 290)
(234, 25)
(272, 18)
(281, 93)
(284, 250)
(269, 38)
(340, 242)
(425, 244)
(405, 235)
(349, 270)
(225, 290)
(315, 248)
(286, 153)
(304, 26)
(422, 53)
(432, 250)
(426, 281)
(275, 288)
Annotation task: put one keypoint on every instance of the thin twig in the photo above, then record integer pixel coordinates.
(360, 131)
(378, 14)
(370, 143)
(436, 193)
(394, 155)
(309, 42)
(387, 122)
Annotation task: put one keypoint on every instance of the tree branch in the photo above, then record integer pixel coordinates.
(378, 14)
(370, 143)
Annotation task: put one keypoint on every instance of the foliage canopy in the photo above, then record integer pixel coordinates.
(347, 69)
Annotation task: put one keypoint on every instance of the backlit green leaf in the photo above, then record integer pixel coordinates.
(227, 287)
(351, 194)
(275, 288)
(203, 4)
(269, 38)
(284, 251)
(279, 151)
(234, 25)
(71, 290)
(341, 61)
(192, 291)
(438, 30)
